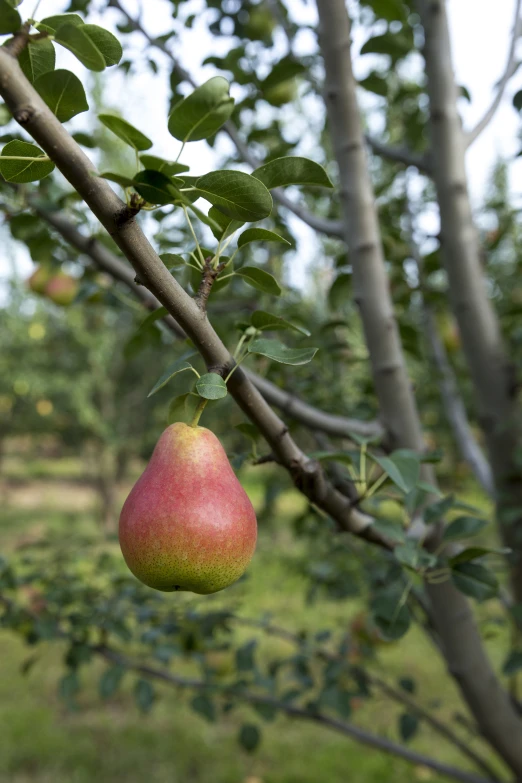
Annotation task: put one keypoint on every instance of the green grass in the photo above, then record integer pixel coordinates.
(42, 742)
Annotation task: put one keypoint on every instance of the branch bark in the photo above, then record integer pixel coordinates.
(30, 111)
(493, 374)
(399, 155)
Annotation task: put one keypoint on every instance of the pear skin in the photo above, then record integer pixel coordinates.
(188, 523)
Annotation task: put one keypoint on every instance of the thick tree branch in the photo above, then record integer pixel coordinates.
(348, 729)
(323, 225)
(511, 68)
(34, 115)
(292, 406)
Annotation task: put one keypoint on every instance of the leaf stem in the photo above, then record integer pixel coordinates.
(194, 235)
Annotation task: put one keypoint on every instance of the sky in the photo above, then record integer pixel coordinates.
(480, 31)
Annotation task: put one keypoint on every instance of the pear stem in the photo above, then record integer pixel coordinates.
(199, 410)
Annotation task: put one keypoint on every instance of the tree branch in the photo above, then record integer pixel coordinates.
(399, 155)
(323, 225)
(36, 118)
(305, 414)
(510, 70)
(348, 729)
(395, 694)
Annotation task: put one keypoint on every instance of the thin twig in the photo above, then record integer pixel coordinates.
(511, 68)
(348, 729)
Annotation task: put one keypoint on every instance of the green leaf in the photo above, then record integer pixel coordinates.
(278, 352)
(74, 39)
(390, 529)
(126, 132)
(144, 695)
(156, 315)
(464, 527)
(259, 235)
(105, 42)
(292, 171)
(5, 115)
(238, 195)
(110, 681)
(37, 58)
(391, 617)
(120, 179)
(201, 114)
(517, 100)
(249, 737)
(376, 84)
(227, 226)
(180, 365)
(474, 552)
(155, 187)
(411, 555)
(51, 23)
(160, 164)
(204, 706)
(402, 467)
(211, 386)
(333, 456)
(10, 20)
(513, 663)
(19, 171)
(63, 92)
(475, 580)
(395, 46)
(172, 260)
(183, 408)
(263, 320)
(408, 725)
(260, 280)
(390, 10)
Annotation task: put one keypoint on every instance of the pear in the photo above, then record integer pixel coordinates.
(61, 289)
(39, 279)
(188, 523)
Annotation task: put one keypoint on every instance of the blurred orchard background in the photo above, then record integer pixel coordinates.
(77, 427)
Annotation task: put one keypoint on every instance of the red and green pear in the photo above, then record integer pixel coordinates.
(188, 523)
(61, 289)
(39, 279)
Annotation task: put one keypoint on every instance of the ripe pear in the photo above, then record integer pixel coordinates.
(61, 289)
(39, 279)
(188, 523)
